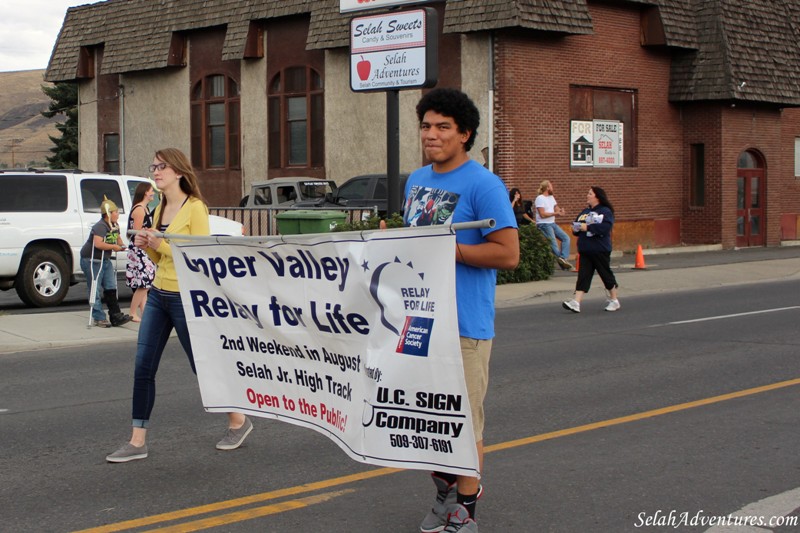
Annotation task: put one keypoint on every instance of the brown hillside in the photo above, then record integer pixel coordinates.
(24, 131)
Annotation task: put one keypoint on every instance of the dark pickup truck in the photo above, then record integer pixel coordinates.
(369, 190)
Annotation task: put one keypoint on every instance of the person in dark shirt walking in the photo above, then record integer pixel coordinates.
(593, 227)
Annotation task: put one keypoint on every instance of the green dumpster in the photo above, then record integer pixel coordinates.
(297, 221)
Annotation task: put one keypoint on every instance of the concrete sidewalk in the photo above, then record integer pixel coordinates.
(682, 269)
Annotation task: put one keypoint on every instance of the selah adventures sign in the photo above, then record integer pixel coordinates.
(394, 51)
(353, 336)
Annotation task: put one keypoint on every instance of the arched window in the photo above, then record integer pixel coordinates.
(215, 123)
(296, 119)
(748, 159)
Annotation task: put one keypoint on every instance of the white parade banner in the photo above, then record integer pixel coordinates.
(352, 335)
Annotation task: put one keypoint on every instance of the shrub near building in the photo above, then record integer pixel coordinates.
(535, 258)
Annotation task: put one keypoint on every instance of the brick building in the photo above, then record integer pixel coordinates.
(704, 96)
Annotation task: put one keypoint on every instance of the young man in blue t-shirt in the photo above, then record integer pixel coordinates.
(454, 188)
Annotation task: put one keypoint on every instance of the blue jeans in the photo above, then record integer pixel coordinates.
(554, 234)
(163, 312)
(103, 271)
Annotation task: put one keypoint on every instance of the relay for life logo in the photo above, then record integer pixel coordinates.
(407, 312)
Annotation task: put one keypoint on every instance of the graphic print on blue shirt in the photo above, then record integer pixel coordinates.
(429, 207)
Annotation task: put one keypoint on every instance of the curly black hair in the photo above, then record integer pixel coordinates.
(456, 105)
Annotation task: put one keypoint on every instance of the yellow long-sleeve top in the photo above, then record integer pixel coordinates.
(191, 219)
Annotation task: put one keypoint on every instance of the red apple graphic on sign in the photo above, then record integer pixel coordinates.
(363, 67)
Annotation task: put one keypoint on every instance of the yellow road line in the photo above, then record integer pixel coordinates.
(352, 478)
(238, 502)
(249, 514)
(640, 416)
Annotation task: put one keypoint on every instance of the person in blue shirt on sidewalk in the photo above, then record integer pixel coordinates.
(593, 227)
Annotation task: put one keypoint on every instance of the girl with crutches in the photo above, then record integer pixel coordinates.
(106, 238)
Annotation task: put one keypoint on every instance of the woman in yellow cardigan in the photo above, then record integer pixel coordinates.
(182, 210)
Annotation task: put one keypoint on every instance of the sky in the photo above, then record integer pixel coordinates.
(28, 31)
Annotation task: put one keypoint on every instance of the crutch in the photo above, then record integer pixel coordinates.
(93, 286)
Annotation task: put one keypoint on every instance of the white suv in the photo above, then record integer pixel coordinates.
(46, 216)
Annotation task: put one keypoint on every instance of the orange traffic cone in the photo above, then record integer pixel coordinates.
(639, 258)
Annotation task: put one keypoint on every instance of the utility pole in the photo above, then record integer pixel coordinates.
(13, 144)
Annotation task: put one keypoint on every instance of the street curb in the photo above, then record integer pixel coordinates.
(682, 249)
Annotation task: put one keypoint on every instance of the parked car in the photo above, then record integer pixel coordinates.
(224, 226)
(285, 192)
(369, 190)
(46, 217)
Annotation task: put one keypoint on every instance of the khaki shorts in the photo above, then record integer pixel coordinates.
(475, 355)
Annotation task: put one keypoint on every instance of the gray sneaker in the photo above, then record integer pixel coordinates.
(128, 452)
(446, 495)
(572, 305)
(436, 518)
(458, 520)
(101, 323)
(235, 437)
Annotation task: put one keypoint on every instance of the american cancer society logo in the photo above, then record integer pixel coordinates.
(404, 298)
(416, 336)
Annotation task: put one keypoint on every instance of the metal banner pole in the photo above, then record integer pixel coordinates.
(229, 239)
(394, 195)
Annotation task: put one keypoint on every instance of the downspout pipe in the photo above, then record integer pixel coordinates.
(121, 129)
(491, 101)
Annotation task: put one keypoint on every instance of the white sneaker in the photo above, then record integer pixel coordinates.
(573, 306)
(613, 305)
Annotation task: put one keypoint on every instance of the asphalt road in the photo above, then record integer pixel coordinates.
(597, 422)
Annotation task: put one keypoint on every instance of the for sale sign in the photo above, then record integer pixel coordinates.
(394, 51)
(606, 143)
